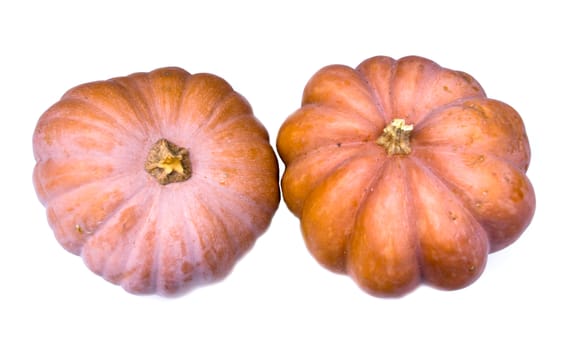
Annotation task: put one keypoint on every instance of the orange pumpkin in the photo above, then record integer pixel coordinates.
(404, 172)
(161, 181)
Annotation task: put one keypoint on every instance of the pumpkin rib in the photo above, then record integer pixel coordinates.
(324, 160)
(135, 191)
(58, 113)
(100, 245)
(375, 268)
(81, 135)
(47, 186)
(393, 100)
(335, 167)
(437, 110)
(373, 183)
(193, 99)
(194, 247)
(426, 94)
(94, 157)
(334, 146)
(155, 114)
(130, 272)
(218, 258)
(377, 99)
(217, 212)
(208, 119)
(330, 109)
(134, 256)
(167, 265)
(77, 228)
(116, 179)
(421, 94)
(140, 84)
(337, 146)
(229, 177)
(364, 144)
(314, 119)
(203, 126)
(487, 125)
(134, 92)
(476, 227)
(331, 86)
(56, 195)
(218, 267)
(158, 245)
(198, 246)
(125, 130)
(239, 197)
(216, 240)
(412, 218)
(425, 167)
(77, 95)
(459, 102)
(471, 152)
(367, 69)
(136, 229)
(522, 196)
(326, 219)
(429, 169)
(429, 117)
(169, 107)
(418, 94)
(237, 135)
(227, 124)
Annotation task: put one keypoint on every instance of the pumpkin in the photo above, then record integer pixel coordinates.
(160, 181)
(403, 172)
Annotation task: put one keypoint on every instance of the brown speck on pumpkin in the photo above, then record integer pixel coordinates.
(453, 216)
(186, 267)
(517, 194)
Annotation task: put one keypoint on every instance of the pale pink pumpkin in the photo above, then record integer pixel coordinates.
(161, 181)
(403, 172)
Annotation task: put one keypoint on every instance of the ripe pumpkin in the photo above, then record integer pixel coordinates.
(403, 172)
(161, 181)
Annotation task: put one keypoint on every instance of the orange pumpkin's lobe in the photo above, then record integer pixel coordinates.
(168, 163)
(396, 137)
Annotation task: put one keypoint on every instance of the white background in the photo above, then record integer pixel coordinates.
(278, 297)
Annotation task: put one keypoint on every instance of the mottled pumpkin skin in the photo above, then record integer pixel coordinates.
(102, 204)
(395, 221)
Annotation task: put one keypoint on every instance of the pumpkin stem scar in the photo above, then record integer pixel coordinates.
(395, 137)
(168, 163)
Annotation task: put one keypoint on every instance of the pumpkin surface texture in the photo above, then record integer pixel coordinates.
(160, 181)
(403, 172)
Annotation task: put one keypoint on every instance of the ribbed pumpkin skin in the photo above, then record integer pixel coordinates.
(394, 221)
(103, 205)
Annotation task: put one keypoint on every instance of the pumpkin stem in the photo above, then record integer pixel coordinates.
(168, 163)
(396, 137)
